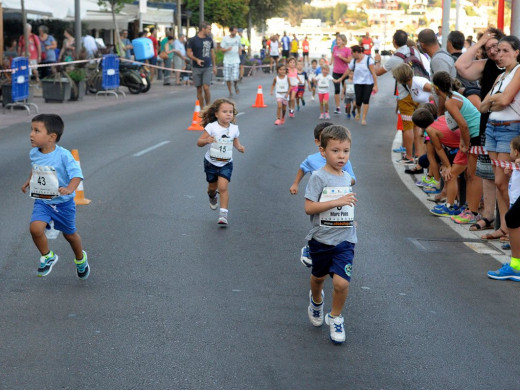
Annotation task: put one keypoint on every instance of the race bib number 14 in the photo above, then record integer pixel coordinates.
(44, 183)
(339, 217)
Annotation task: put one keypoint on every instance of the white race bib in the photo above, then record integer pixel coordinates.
(366, 46)
(349, 87)
(222, 149)
(452, 123)
(339, 217)
(44, 183)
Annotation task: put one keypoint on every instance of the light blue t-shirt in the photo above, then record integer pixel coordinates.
(66, 169)
(315, 161)
(326, 234)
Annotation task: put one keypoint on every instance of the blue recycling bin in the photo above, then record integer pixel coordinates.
(20, 79)
(143, 49)
(110, 67)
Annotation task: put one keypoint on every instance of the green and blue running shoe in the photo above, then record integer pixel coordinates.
(82, 267)
(505, 273)
(443, 210)
(46, 263)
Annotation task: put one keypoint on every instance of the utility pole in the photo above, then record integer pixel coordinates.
(25, 32)
(457, 14)
(1, 31)
(515, 18)
(179, 18)
(201, 11)
(77, 27)
(445, 22)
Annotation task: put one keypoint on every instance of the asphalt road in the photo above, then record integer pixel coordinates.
(175, 302)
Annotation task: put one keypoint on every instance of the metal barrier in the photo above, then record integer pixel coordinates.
(110, 80)
(20, 76)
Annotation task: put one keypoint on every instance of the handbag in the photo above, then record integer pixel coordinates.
(163, 55)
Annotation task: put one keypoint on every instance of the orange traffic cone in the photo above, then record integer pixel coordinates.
(80, 193)
(195, 123)
(399, 122)
(259, 99)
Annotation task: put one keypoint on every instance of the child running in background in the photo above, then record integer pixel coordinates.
(302, 80)
(323, 84)
(292, 73)
(221, 133)
(312, 163)
(350, 96)
(281, 86)
(313, 72)
(511, 270)
(54, 178)
(329, 202)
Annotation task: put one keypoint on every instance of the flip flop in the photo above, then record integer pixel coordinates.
(497, 234)
(477, 226)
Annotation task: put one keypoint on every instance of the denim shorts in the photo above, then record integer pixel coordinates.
(330, 259)
(63, 215)
(498, 136)
(213, 172)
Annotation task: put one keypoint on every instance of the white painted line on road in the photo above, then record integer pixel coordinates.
(139, 154)
(241, 113)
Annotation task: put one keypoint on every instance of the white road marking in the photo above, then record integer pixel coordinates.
(241, 113)
(139, 154)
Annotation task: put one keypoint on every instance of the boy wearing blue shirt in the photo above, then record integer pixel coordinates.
(329, 202)
(54, 177)
(312, 163)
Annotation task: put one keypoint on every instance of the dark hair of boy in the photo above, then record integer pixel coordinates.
(319, 128)
(334, 132)
(422, 117)
(52, 122)
(314, 61)
(515, 143)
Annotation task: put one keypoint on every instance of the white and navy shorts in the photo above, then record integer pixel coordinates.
(231, 72)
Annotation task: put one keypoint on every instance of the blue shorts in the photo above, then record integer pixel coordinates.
(63, 215)
(498, 136)
(213, 172)
(330, 259)
(153, 60)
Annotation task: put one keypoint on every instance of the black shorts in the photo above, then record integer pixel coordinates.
(337, 86)
(363, 92)
(285, 53)
(513, 215)
(305, 54)
(475, 141)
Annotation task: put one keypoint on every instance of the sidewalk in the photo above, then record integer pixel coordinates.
(89, 102)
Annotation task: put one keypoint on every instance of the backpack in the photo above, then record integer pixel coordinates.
(414, 61)
(368, 66)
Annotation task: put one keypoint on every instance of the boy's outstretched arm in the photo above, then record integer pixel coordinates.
(73, 184)
(312, 208)
(299, 176)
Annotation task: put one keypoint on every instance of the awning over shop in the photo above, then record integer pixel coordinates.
(55, 9)
(152, 15)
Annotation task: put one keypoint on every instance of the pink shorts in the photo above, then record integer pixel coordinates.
(323, 97)
(294, 89)
(282, 100)
(461, 158)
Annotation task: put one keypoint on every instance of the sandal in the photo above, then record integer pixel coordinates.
(497, 234)
(487, 225)
(504, 239)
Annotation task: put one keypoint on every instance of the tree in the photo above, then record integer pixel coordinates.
(115, 6)
(224, 12)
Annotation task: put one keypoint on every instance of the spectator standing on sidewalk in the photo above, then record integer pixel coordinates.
(126, 45)
(201, 51)
(68, 48)
(153, 60)
(244, 42)
(48, 55)
(232, 49)
(179, 57)
(167, 47)
(34, 49)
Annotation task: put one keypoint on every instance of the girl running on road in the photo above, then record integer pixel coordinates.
(281, 84)
(221, 133)
(292, 72)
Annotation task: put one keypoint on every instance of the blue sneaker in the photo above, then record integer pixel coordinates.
(442, 210)
(314, 312)
(336, 327)
(305, 257)
(431, 190)
(348, 116)
(505, 273)
(46, 263)
(401, 149)
(82, 267)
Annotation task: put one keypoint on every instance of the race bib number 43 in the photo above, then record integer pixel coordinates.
(222, 150)
(338, 217)
(44, 183)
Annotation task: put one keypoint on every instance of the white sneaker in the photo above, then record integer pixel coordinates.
(315, 313)
(222, 218)
(337, 330)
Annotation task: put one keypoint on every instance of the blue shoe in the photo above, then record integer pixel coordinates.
(431, 190)
(505, 273)
(46, 263)
(336, 327)
(442, 210)
(401, 149)
(82, 267)
(303, 102)
(348, 116)
(305, 257)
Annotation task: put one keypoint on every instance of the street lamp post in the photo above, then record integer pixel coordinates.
(201, 11)
(77, 27)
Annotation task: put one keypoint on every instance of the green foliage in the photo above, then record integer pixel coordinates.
(470, 11)
(114, 5)
(77, 74)
(223, 12)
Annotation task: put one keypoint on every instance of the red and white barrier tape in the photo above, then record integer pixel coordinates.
(479, 150)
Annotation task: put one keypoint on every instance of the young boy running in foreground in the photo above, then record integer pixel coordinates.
(329, 201)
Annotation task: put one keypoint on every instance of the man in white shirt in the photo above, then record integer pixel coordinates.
(232, 49)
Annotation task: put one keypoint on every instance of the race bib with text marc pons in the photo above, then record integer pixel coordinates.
(338, 217)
